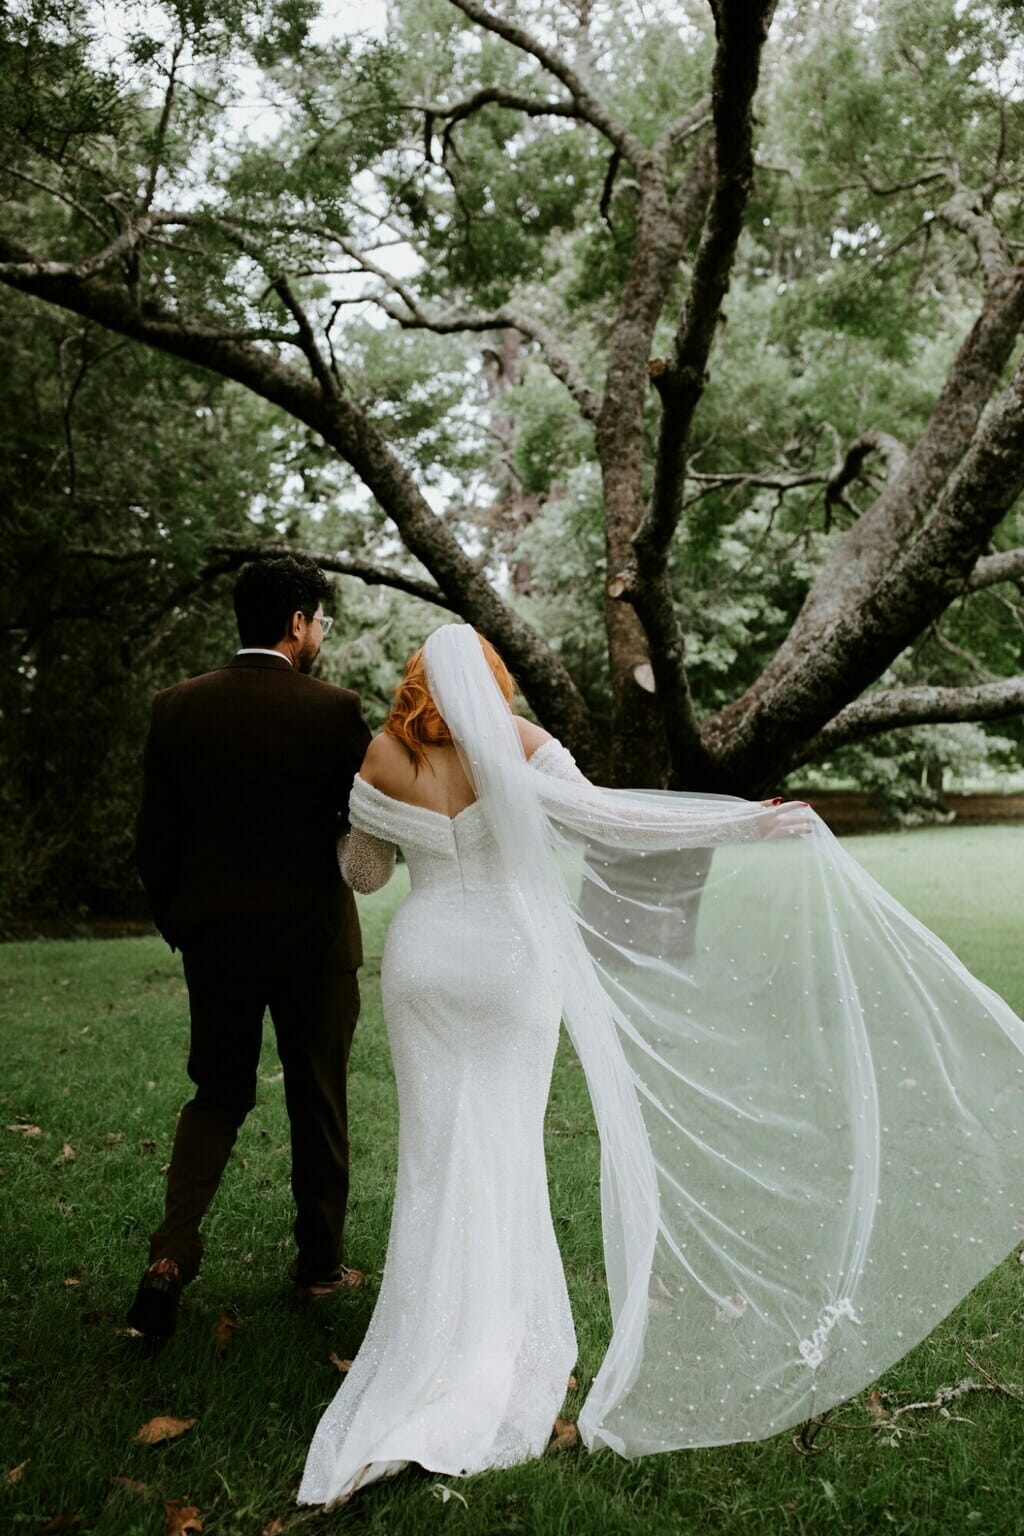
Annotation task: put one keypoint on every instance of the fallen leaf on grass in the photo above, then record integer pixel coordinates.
(181, 1518)
(113, 1137)
(224, 1330)
(67, 1154)
(343, 1365)
(146, 1147)
(875, 1405)
(572, 1385)
(274, 1528)
(22, 1128)
(162, 1428)
(14, 1475)
(59, 1523)
(564, 1436)
(444, 1493)
(132, 1485)
(72, 1280)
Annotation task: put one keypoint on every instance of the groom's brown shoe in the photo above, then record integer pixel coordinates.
(154, 1312)
(315, 1288)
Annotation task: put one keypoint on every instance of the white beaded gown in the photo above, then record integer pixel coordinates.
(811, 1115)
(466, 1359)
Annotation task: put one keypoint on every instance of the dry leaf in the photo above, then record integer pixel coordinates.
(444, 1493)
(572, 1385)
(70, 1280)
(162, 1428)
(146, 1147)
(132, 1485)
(59, 1523)
(564, 1436)
(224, 1330)
(275, 1527)
(14, 1475)
(67, 1154)
(23, 1129)
(181, 1518)
(875, 1405)
(343, 1365)
(113, 1137)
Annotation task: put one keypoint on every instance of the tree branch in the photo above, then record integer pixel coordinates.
(322, 372)
(507, 318)
(691, 121)
(162, 126)
(588, 107)
(846, 470)
(81, 270)
(741, 28)
(777, 722)
(492, 95)
(365, 571)
(350, 432)
(965, 211)
(880, 536)
(1008, 565)
(894, 709)
(62, 197)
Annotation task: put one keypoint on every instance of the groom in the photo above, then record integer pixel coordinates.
(246, 777)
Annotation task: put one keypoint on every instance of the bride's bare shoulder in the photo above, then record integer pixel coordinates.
(532, 736)
(385, 758)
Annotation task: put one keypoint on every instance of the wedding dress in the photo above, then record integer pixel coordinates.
(811, 1115)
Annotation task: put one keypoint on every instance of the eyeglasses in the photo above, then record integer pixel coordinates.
(325, 623)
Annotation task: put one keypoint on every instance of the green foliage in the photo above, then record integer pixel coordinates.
(119, 467)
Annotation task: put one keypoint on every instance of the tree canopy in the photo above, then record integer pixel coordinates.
(676, 347)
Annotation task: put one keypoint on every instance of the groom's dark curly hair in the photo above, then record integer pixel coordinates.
(270, 590)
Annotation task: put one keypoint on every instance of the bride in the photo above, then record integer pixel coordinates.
(810, 1112)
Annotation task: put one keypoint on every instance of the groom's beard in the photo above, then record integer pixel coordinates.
(307, 659)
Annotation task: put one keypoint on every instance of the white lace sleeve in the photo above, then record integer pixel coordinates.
(557, 762)
(367, 862)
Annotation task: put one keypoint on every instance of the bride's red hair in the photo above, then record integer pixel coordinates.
(414, 719)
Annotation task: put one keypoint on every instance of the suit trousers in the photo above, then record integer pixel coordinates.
(314, 1016)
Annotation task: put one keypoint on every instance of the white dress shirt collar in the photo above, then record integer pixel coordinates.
(261, 650)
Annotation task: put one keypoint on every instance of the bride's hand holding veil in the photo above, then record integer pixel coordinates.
(789, 818)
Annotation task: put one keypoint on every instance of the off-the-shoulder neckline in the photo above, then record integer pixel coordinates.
(425, 810)
(407, 805)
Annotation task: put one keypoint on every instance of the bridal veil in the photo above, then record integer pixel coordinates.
(811, 1114)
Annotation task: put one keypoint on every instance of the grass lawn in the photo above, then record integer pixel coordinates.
(93, 1040)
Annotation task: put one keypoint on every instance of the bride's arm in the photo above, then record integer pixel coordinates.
(611, 815)
(366, 862)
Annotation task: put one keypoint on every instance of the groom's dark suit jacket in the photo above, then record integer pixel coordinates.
(246, 778)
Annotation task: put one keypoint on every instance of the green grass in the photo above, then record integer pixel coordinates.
(93, 1040)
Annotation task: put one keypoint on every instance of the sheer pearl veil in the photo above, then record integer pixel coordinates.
(811, 1115)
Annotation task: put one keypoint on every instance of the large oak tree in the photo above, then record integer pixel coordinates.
(591, 182)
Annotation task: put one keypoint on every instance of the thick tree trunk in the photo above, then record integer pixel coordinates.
(640, 754)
